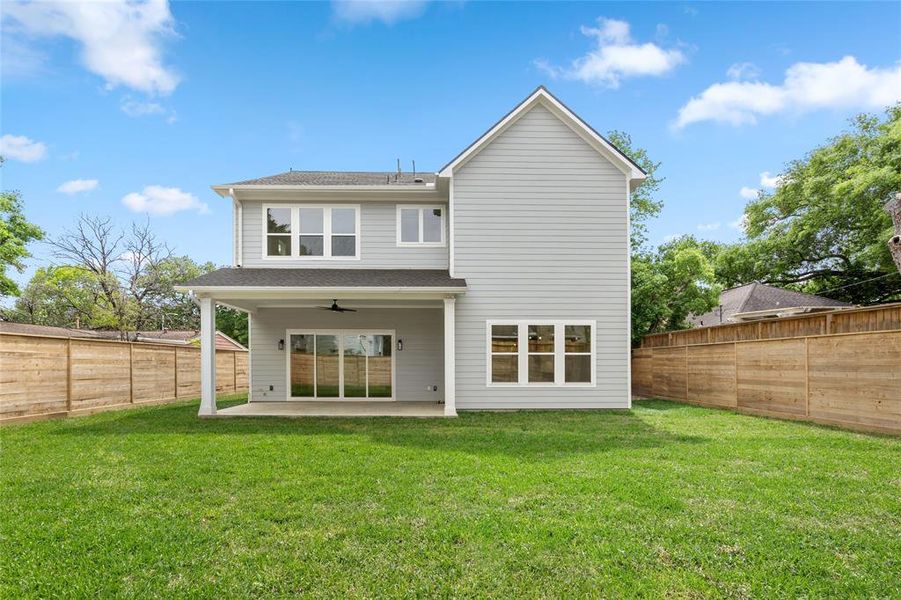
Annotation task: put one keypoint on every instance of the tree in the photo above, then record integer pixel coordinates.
(643, 204)
(125, 266)
(16, 232)
(232, 323)
(669, 285)
(62, 297)
(823, 230)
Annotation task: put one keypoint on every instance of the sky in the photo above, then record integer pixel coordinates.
(132, 110)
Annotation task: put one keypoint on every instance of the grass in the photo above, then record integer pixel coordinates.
(663, 500)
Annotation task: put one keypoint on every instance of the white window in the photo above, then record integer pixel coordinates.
(541, 352)
(420, 225)
(311, 232)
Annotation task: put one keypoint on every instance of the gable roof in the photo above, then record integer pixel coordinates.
(753, 297)
(542, 96)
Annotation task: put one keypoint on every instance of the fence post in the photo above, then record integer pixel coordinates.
(131, 373)
(235, 371)
(829, 324)
(735, 370)
(175, 355)
(806, 376)
(69, 375)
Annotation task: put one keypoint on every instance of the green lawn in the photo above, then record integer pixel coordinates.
(663, 500)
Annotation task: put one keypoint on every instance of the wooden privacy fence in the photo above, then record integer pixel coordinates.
(43, 376)
(846, 378)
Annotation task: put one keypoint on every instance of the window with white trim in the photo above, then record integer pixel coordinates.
(541, 352)
(420, 225)
(311, 232)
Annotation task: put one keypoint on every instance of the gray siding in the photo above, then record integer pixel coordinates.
(541, 230)
(378, 229)
(419, 364)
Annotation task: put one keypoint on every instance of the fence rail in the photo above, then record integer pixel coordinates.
(848, 379)
(885, 317)
(43, 376)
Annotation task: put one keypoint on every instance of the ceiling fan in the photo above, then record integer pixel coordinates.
(337, 308)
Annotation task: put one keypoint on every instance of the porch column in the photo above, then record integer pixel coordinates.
(450, 359)
(207, 357)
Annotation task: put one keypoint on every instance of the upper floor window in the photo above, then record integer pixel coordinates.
(308, 232)
(420, 225)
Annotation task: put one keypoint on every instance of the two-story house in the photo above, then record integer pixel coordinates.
(500, 282)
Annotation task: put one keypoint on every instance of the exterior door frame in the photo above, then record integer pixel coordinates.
(339, 333)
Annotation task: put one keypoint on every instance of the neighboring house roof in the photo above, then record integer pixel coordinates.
(542, 96)
(170, 336)
(325, 278)
(317, 178)
(759, 297)
(29, 329)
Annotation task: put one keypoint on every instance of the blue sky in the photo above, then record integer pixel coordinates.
(131, 109)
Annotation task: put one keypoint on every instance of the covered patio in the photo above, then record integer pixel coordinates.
(329, 342)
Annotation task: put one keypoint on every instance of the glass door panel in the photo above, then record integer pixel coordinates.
(302, 357)
(379, 366)
(355, 366)
(341, 365)
(327, 366)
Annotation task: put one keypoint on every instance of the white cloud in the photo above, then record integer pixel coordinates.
(142, 108)
(366, 11)
(807, 86)
(139, 108)
(671, 237)
(743, 70)
(77, 186)
(616, 57)
(120, 40)
(770, 181)
(748, 193)
(709, 226)
(19, 147)
(163, 201)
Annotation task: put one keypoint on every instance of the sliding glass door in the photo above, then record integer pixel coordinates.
(342, 364)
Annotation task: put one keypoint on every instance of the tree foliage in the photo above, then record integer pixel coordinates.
(823, 230)
(671, 284)
(643, 204)
(118, 280)
(16, 232)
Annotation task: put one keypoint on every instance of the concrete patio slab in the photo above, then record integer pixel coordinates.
(337, 408)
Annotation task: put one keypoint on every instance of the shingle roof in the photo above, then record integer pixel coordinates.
(758, 296)
(170, 336)
(341, 178)
(274, 277)
(28, 328)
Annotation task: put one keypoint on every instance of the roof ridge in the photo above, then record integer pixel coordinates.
(752, 286)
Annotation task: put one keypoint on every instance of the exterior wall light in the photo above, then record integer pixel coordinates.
(281, 344)
(400, 345)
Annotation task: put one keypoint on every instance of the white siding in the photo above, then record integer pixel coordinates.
(419, 364)
(378, 229)
(540, 225)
